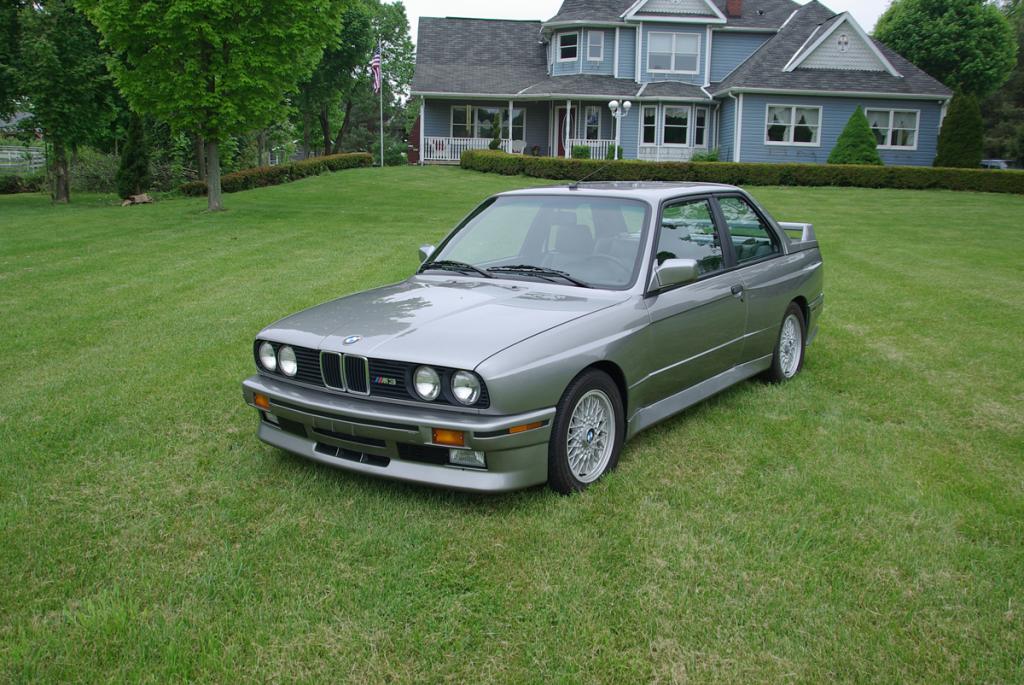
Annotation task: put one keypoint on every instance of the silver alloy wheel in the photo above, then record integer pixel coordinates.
(790, 346)
(591, 436)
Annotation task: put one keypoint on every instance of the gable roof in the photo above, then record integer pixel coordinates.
(766, 68)
(766, 14)
(825, 31)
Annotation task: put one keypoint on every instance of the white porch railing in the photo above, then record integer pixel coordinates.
(449, 149)
(665, 153)
(598, 148)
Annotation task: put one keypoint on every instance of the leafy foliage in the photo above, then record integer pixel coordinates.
(133, 174)
(711, 155)
(608, 155)
(960, 140)
(1003, 112)
(864, 176)
(856, 144)
(261, 177)
(580, 152)
(966, 44)
(9, 40)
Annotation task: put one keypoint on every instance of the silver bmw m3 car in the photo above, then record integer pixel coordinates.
(547, 329)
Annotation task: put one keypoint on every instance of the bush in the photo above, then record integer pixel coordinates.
(856, 144)
(133, 172)
(863, 176)
(93, 171)
(611, 153)
(260, 177)
(580, 152)
(961, 138)
(394, 153)
(707, 156)
(28, 183)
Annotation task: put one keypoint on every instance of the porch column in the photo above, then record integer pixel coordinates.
(568, 125)
(510, 126)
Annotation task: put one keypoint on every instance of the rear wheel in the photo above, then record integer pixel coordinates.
(788, 358)
(588, 432)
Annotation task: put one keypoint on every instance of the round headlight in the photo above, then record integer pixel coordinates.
(267, 357)
(466, 387)
(286, 360)
(427, 383)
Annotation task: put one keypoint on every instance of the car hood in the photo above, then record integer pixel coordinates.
(439, 320)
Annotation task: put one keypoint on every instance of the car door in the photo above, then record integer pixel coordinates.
(696, 328)
(764, 277)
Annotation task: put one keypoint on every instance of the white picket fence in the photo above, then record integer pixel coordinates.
(16, 159)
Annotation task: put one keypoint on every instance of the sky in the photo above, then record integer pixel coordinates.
(865, 11)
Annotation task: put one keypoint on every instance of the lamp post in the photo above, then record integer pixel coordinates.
(618, 111)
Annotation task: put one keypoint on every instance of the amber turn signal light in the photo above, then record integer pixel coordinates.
(261, 401)
(525, 427)
(443, 436)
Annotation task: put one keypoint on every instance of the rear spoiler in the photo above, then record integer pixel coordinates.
(801, 236)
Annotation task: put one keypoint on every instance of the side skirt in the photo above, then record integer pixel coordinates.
(663, 409)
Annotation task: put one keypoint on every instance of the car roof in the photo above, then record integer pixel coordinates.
(651, 191)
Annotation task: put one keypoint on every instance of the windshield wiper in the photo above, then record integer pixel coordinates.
(539, 271)
(451, 265)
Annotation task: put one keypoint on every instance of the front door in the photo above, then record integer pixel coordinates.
(560, 128)
(696, 329)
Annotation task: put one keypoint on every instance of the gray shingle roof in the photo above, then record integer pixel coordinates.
(484, 56)
(585, 84)
(591, 10)
(765, 67)
(674, 89)
(768, 14)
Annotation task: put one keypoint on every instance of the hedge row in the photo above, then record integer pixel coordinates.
(918, 178)
(12, 183)
(260, 177)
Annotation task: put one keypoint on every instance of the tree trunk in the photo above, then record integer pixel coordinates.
(346, 125)
(61, 184)
(213, 199)
(325, 128)
(305, 135)
(201, 157)
(261, 144)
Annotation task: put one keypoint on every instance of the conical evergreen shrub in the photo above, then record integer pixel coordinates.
(856, 144)
(961, 139)
(133, 174)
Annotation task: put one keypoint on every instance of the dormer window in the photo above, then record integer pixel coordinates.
(568, 46)
(677, 53)
(595, 46)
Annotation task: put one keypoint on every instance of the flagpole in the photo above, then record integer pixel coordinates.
(381, 53)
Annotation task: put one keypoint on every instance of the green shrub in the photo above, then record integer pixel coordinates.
(855, 175)
(94, 172)
(581, 152)
(394, 153)
(260, 177)
(706, 156)
(133, 172)
(961, 141)
(856, 144)
(611, 152)
(10, 184)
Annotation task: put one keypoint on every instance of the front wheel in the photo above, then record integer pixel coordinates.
(788, 358)
(588, 432)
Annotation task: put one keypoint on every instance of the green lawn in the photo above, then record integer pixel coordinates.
(865, 522)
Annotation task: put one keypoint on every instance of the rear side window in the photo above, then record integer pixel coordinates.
(751, 237)
(688, 232)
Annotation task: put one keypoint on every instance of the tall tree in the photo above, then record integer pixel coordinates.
(1003, 112)
(9, 41)
(967, 44)
(63, 76)
(214, 68)
(133, 172)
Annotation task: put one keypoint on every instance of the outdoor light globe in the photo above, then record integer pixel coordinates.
(427, 383)
(466, 387)
(267, 357)
(613, 105)
(627, 105)
(287, 362)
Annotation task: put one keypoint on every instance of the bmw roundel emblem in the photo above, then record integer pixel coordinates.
(352, 339)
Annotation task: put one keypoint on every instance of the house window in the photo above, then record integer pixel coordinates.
(895, 129)
(700, 127)
(676, 126)
(479, 122)
(673, 52)
(568, 44)
(650, 127)
(595, 46)
(793, 125)
(593, 119)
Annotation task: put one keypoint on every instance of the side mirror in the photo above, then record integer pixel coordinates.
(675, 272)
(425, 252)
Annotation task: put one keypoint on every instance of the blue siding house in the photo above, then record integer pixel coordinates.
(757, 80)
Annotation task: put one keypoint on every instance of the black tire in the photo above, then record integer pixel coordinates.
(561, 478)
(780, 371)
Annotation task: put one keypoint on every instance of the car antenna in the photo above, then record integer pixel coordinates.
(575, 185)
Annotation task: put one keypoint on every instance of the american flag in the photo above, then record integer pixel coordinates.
(375, 70)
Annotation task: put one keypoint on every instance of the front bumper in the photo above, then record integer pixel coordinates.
(391, 440)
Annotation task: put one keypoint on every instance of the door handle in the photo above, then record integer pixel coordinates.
(737, 291)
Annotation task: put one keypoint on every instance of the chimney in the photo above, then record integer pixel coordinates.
(734, 8)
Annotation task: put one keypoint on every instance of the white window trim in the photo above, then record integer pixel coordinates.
(558, 47)
(474, 121)
(600, 34)
(689, 125)
(651, 34)
(600, 110)
(641, 126)
(792, 125)
(470, 117)
(892, 115)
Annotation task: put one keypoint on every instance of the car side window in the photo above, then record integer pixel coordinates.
(688, 232)
(751, 237)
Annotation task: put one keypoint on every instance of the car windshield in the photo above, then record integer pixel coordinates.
(575, 240)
